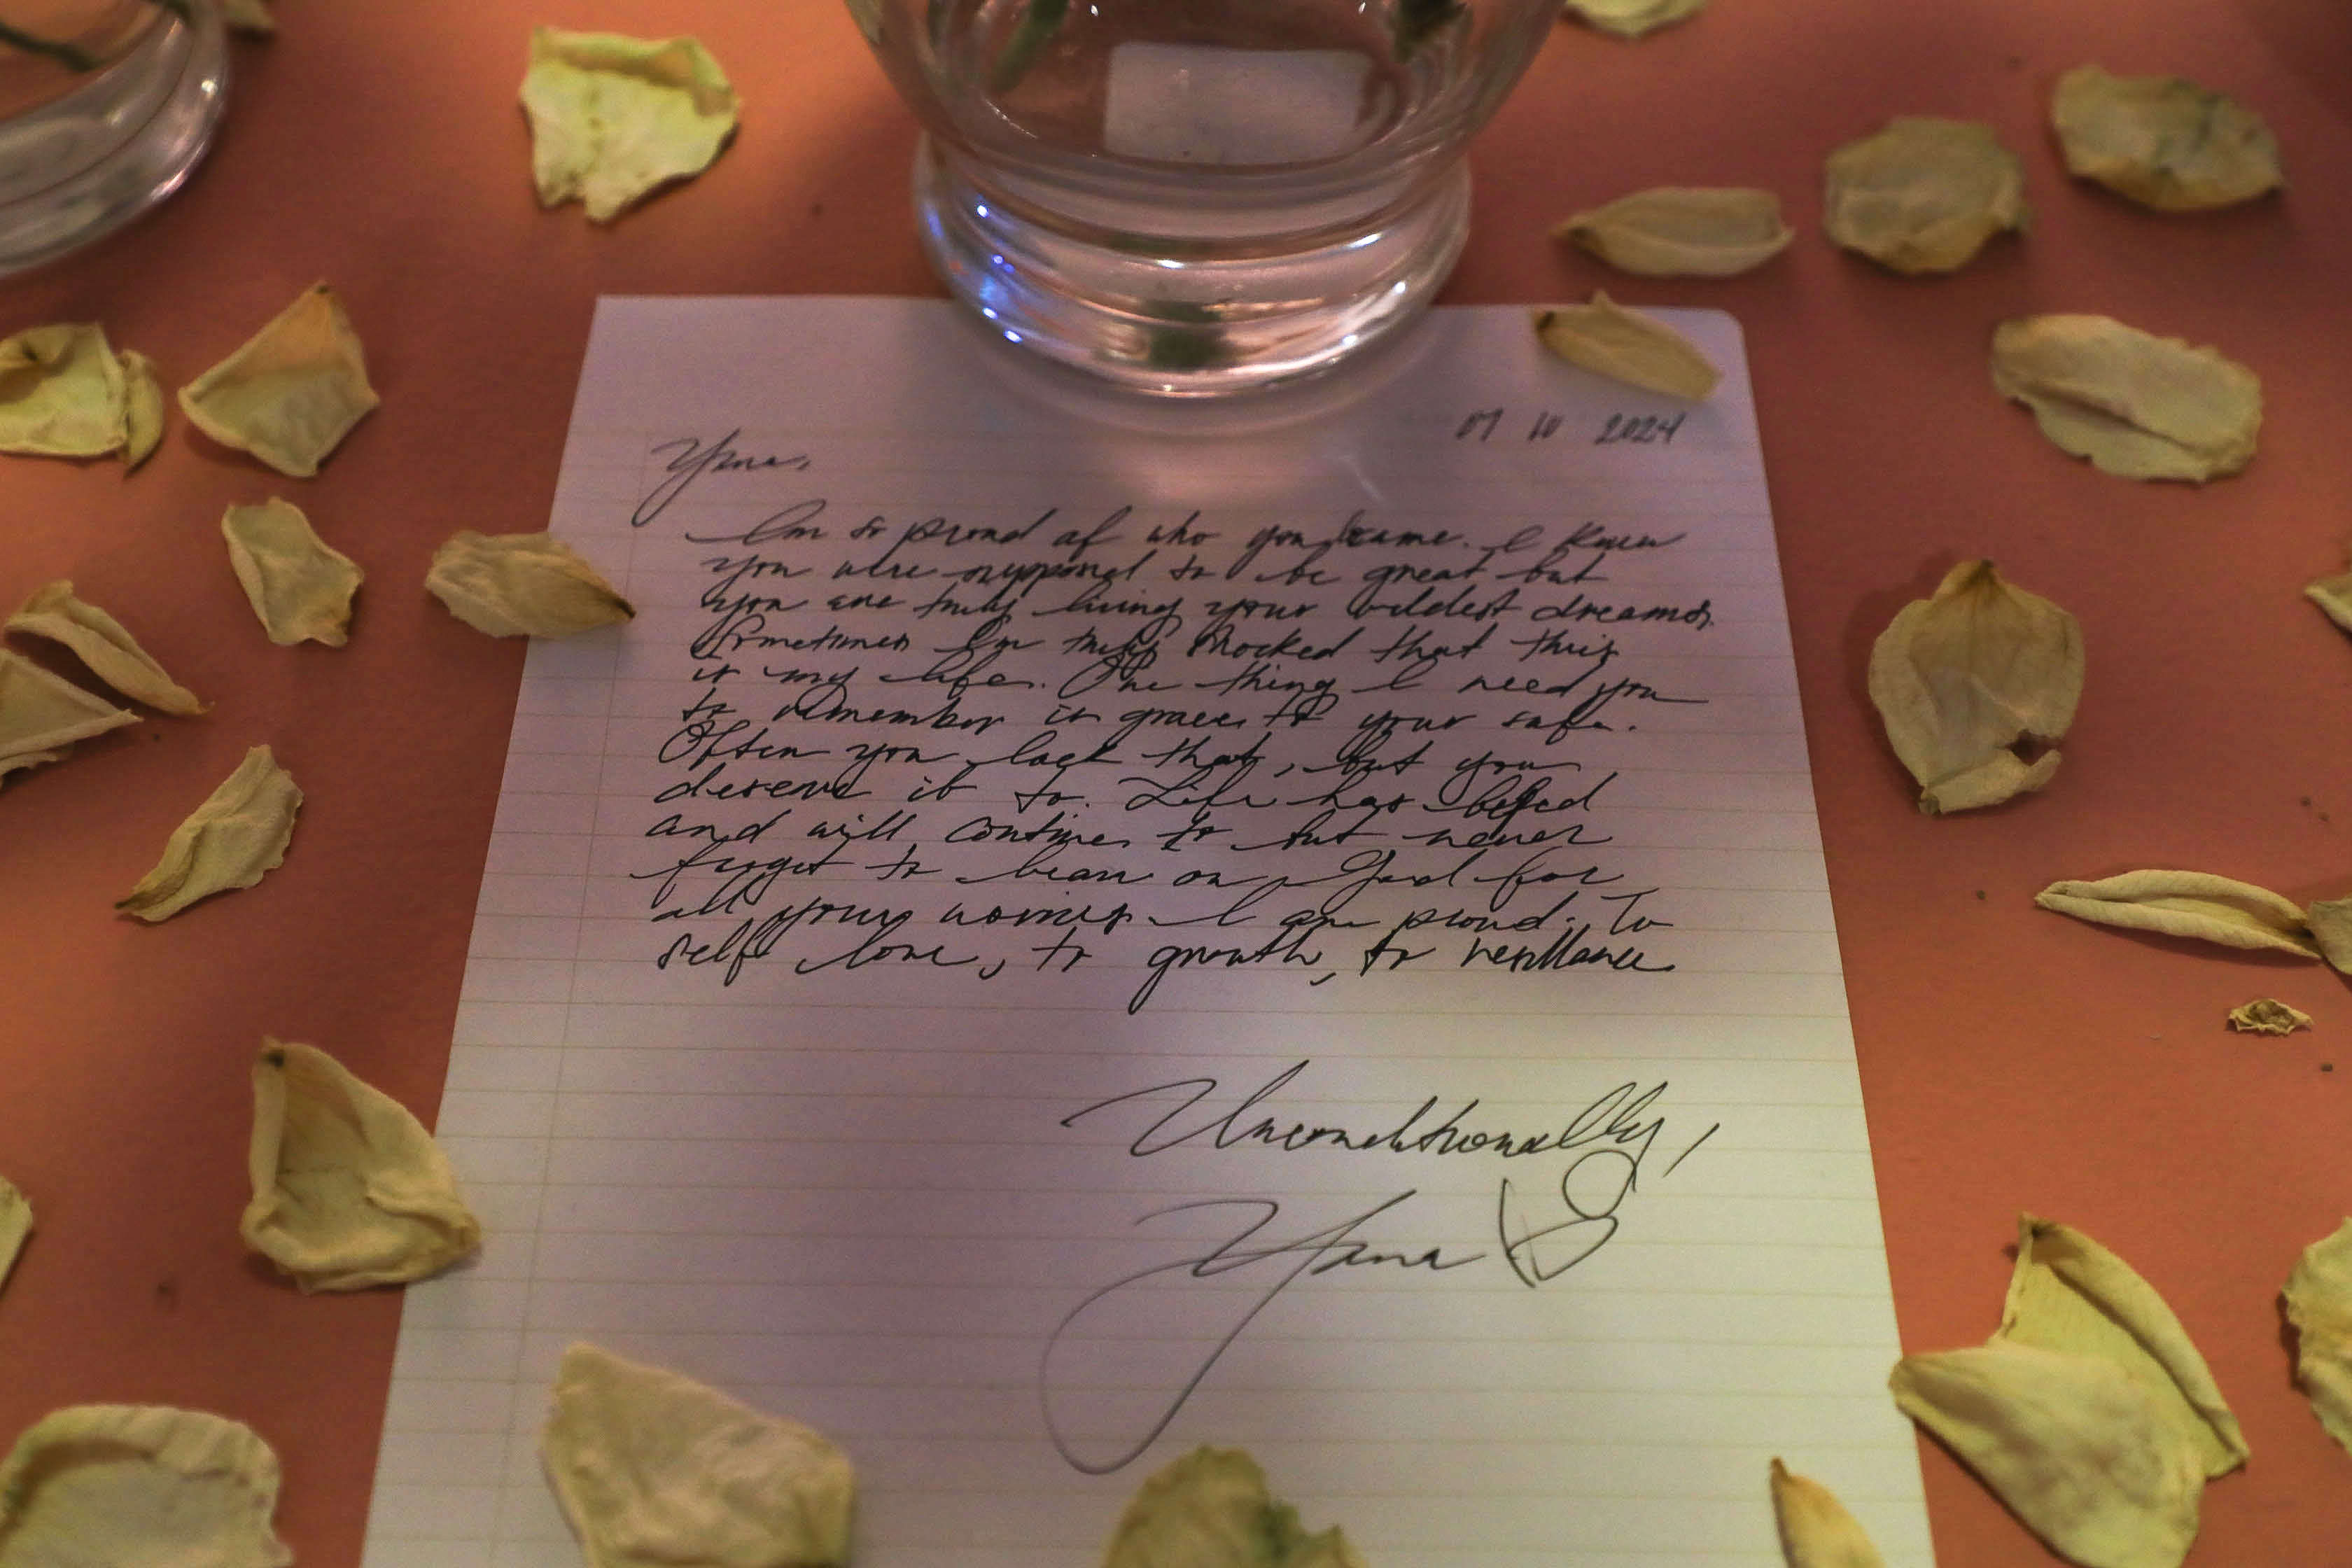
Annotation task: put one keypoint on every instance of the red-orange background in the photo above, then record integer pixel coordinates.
(2010, 1060)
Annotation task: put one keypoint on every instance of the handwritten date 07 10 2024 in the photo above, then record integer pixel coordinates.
(1540, 1233)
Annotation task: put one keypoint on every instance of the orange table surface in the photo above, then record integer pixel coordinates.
(2010, 1060)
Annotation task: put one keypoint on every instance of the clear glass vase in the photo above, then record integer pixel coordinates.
(105, 105)
(1196, 196)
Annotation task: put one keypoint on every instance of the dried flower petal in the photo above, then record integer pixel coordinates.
(2186, 903)
(615, 118)
(139, 1485)
(2330, 922)
(1962, 679)
(2080, 1451)
(300, 586)
(15, 1225)
(2319, 1304)
(1683, 231)
(2268, 1015)
(2068, 1293)
(349, 1190)
(41, 715)
(248, 16)
(2137, 406)
(1816, 1531)
(1922, 195)
(240, 833)
(1631, 18)
(2334, 597)
(657, 1470)
(100, 641)
(522, 585)
(143, 408)
(2164, 142)
(61, 393)
(1625, 345)
(292, 392)
(1212, 1507)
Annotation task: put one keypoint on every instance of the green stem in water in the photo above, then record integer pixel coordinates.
(1038, 24)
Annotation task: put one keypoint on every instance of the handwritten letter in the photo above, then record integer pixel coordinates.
(1054, 939)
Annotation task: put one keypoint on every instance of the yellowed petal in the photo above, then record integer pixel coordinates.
(1213, 1507)
(2068, 1293)
(2330, 922)
(15, 1225)
(237, 836)
(1625, 345)
(349, 1190)
(657, 1470)
(292, 392)
(100, 641)
(522, 585)
(2186, 903)
(2268, 1015)
(1682, 231)
(2137, 406)
(61, 393)
(300, 586)
(139, 1485)
(615, 118)
(2164, 142)
(248, 16)
(2319, 1304)
(1816, 1531)
(42, 715)
(1964, 678)
(2334, 597)
(143, 408)
(1922, 195)
(1633, 19)
(2079, 1450)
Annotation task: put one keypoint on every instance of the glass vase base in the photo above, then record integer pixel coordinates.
(85, 163)
(1189, 320)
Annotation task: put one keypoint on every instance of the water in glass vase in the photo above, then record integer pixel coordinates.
(1195, 195)
(105, 105)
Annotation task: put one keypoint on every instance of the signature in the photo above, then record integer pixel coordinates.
(1270, 1266)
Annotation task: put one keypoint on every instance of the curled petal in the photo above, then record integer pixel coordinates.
(2186, 903)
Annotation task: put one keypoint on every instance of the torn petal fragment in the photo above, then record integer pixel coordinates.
(100, 641)
(1963, 678)
(1626, 345)
(2268, 1015)
(2068, 1293)
(42, 715)
(522, 585)
(2333, 597)
(2138, 405)
(237, 836)
(1212, 1509)
(139, 1485)
(2164, 142)
(2079, 1449)
(15, 1225)
(292, 392)
(615, 118)
(300, 585)
(2186, 903)
(349, 1190)
(1816, 1531)
(1633, 19)
(1922, 195)
(2319, 1304)
(143, 408)
(61, 393)
(655, 1469)
(1683, 231)
(248, 16)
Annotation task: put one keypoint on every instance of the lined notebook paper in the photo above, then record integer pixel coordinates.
(1059, 935)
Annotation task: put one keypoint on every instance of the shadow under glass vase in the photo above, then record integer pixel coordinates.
(86, 145)
(1192, 197)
